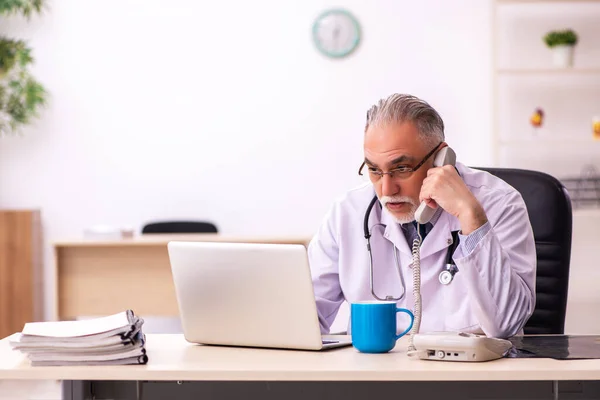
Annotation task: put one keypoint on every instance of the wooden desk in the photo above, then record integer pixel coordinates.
(105, 277)
(172, 359)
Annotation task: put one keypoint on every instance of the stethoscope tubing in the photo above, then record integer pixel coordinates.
(445, 277)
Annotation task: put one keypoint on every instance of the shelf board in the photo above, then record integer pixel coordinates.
(549, 141)
(544, 1)
(545, 71)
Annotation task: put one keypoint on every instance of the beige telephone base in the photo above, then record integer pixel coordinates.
(458, 346)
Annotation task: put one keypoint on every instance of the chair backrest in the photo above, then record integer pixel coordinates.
(179, 227)
(550, 213)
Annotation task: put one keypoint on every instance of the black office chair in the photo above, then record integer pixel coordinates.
(550, 213)
(179, 227)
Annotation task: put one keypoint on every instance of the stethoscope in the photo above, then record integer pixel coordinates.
(445, 277)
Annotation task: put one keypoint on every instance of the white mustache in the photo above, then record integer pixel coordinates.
(406, 218)
(396, 199)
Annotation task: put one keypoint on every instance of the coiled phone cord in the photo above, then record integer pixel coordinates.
(416, 268)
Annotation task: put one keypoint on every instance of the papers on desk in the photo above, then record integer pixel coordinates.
(112, 340)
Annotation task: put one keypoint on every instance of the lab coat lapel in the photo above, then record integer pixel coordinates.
(440, 236)
(393, 232)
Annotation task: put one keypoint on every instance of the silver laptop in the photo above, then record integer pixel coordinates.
(247, 294)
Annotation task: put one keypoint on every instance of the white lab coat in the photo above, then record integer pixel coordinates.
(493, 292)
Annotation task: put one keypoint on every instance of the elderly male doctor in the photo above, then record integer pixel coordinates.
(493, 291)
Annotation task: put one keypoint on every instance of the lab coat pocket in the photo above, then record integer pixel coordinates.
(459, 311)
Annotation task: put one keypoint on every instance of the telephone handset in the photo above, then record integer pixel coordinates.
(443, 157)
(448, 346)
(423, 214)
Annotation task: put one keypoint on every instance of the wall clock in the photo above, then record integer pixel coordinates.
(336, 33)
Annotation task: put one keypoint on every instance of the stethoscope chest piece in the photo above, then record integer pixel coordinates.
(447, 275)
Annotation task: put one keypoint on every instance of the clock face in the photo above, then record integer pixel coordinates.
(336, 33)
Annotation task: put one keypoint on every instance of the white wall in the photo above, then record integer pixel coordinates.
(221, 110)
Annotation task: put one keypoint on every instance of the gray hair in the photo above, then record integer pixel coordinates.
(399, 108)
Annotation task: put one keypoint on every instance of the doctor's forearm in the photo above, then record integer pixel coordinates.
(501, 298)
(504, 314)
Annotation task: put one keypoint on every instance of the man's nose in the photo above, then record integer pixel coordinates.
(388, 186)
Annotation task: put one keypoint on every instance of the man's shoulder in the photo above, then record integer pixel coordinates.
(349, 207)
(355, 200)
(358, 196)
(483, 182)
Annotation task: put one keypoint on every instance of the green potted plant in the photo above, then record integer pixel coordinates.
(562, 43)
(21, 95)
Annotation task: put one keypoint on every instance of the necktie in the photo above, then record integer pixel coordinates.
(423, 229)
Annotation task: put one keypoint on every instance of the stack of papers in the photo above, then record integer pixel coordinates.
(113, 340)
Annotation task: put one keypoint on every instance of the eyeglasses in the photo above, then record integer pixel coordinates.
(402, 172)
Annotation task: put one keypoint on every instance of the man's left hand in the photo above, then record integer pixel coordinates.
(444, 187)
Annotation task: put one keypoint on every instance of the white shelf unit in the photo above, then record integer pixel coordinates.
(525, 79)
(546, 71)
(544, 1)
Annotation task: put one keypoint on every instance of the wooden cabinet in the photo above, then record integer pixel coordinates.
(20, 269)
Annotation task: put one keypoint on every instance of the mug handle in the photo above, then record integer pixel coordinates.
(412, 319)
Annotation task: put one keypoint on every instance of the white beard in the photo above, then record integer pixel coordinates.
(407, 217)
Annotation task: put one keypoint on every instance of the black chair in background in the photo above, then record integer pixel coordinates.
(179, 227)
(550, 213)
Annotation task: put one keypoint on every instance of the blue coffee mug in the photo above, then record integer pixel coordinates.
(373, 325)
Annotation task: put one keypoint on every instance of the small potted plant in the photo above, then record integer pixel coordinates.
(562, 43)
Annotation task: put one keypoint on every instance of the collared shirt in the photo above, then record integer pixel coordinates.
(410, 231)
(469, 241)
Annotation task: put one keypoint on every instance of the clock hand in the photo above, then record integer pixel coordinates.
(336, 35)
